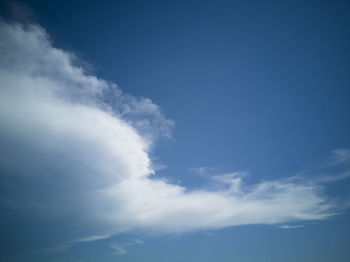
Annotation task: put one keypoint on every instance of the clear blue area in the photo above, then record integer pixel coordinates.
(261, 86)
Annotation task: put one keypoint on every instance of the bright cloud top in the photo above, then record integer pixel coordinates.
(75, 146)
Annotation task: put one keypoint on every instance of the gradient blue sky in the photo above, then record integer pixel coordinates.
(257, 87)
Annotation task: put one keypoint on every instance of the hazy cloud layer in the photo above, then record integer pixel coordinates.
(75, 153)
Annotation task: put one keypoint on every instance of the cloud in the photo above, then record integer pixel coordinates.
(233, 180)
(120, 249)
(76, 154)
(61, 248)
(334, 177)
(203, 170)
(291, 226)
(341, 156)
(89, 239)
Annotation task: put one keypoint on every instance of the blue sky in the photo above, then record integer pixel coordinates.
(174, 131)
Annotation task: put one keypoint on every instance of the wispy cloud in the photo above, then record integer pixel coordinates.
(80, 148)
(234, 180)
(120, 249)
(291, 226)
(333, 177)
(203, 170)
(89, 239)
(60, 248)
(341, 156)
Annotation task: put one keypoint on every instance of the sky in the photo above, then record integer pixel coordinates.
(174, 131)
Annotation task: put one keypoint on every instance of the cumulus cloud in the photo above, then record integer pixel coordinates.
(76, 153)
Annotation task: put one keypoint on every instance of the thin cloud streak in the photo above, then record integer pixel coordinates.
(333, 178)
(341, 156)
(291, 226)
(89, 239)
(120, 249)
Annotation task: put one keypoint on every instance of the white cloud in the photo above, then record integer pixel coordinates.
(120, 249)
(341, 156)
(203, 170)
(291, 226)
(80, 149)
(199, 170)
(333, 177)
(61, 248)
(89, 239)
(233, 180)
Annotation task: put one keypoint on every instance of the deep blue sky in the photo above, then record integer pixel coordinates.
(259, 86)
